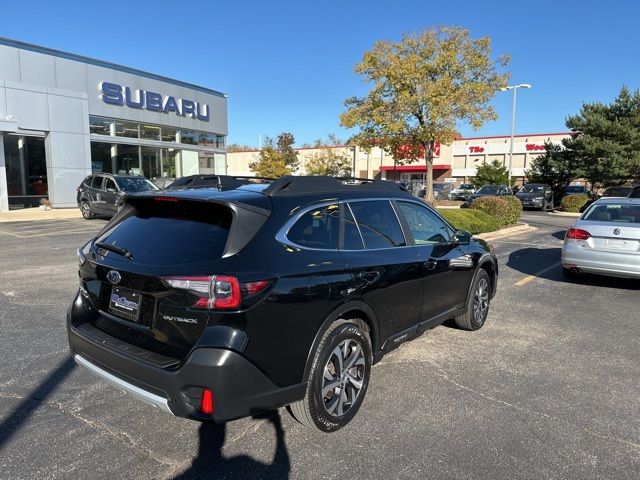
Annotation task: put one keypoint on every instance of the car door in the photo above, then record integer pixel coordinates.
(447, 266)
(95, 194)
(385, 271)
(109, 197)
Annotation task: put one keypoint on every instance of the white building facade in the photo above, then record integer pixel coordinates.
(64, 116)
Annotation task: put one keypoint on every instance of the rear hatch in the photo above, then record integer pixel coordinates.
(611, 237)
(146, 271)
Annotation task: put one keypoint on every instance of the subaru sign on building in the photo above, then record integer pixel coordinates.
(64, 116)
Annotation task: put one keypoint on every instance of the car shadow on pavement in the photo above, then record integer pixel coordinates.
(531, 261)
(210, 463)
(39, 395)
(540, 262)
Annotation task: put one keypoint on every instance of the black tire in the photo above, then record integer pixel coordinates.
(327, 412)
(85, 209)
(479, 302)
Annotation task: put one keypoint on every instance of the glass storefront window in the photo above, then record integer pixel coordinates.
(127, 129)
(101, 157)
(206, 163)
(128, 160)
(169, 134)
(189, 137)
(220, 140)
(207, 139)
(151, 162)
(26, 167)
(169, 157)
(99, 126)
(150, 132)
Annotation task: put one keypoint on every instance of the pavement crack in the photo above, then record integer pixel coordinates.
(445, 376)
(119, 435)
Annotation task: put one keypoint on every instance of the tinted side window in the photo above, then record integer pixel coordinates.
(378, 224)
(110, 184)
(97, 182)
(317, 228)
(87, 181)
(425, 226)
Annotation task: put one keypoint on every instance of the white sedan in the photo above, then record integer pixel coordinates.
(604, 240)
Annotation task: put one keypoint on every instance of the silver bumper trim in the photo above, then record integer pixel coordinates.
(137, 392)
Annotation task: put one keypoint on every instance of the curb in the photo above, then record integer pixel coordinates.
(35, 214)
(507, 232)
(565, 214)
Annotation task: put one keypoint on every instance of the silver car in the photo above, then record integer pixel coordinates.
(605, 240)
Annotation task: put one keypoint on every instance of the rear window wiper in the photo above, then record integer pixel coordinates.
(114, 248)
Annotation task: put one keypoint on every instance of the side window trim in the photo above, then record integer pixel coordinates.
(355, 221)
(282, 235)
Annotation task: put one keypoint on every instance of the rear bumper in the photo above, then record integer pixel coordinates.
(239, 388)
(613, 264)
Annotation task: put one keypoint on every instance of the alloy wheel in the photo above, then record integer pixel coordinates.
(481, 301)
(343, 377)
(86, 210)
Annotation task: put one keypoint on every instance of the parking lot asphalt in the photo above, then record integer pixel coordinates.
(550, 388)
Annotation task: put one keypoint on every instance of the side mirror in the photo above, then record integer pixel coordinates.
(463, 237)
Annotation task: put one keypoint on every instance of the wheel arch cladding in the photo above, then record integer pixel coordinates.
(488, 266)
(348, 311)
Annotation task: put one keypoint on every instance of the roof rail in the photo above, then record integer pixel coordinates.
(298, 185)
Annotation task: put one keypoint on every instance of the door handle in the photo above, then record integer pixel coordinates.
(369, 276)
(431, 264)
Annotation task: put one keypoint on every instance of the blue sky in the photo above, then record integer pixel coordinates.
(288, 66)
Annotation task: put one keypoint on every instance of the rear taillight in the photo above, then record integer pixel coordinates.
(215, 291)
(578, 234)
(206, 402)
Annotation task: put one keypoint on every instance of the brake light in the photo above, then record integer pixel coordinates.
(206, 403)
(578, 234)
(215, 291)
(165, 199)
(256, 287)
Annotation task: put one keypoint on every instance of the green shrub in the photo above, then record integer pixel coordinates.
(573, 203)
(505, 210)
(473, 221)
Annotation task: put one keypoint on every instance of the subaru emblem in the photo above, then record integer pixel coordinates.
(616, 231)
(114, 277)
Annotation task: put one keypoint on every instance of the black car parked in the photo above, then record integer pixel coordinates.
(215, 305)
(488, 191)
(536, 195)
(103, 194)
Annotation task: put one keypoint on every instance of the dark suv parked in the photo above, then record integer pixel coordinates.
(536, 195)
(214, 305)
(103, 194)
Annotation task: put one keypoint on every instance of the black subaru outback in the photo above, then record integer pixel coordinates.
(214, 305)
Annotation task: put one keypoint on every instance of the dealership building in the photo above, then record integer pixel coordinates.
(65, 116)
(455, 163)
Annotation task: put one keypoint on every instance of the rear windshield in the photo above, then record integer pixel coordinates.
(614, 212)
(491, 189)
(132, 184)
(532, 188)
(574, 189)
(171, 233)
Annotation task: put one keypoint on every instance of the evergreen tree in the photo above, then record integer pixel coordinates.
(606, 145)
(493, 173)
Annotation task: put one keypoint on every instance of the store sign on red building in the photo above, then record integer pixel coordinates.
(534, 147)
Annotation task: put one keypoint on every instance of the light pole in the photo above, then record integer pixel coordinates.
(514, 88)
